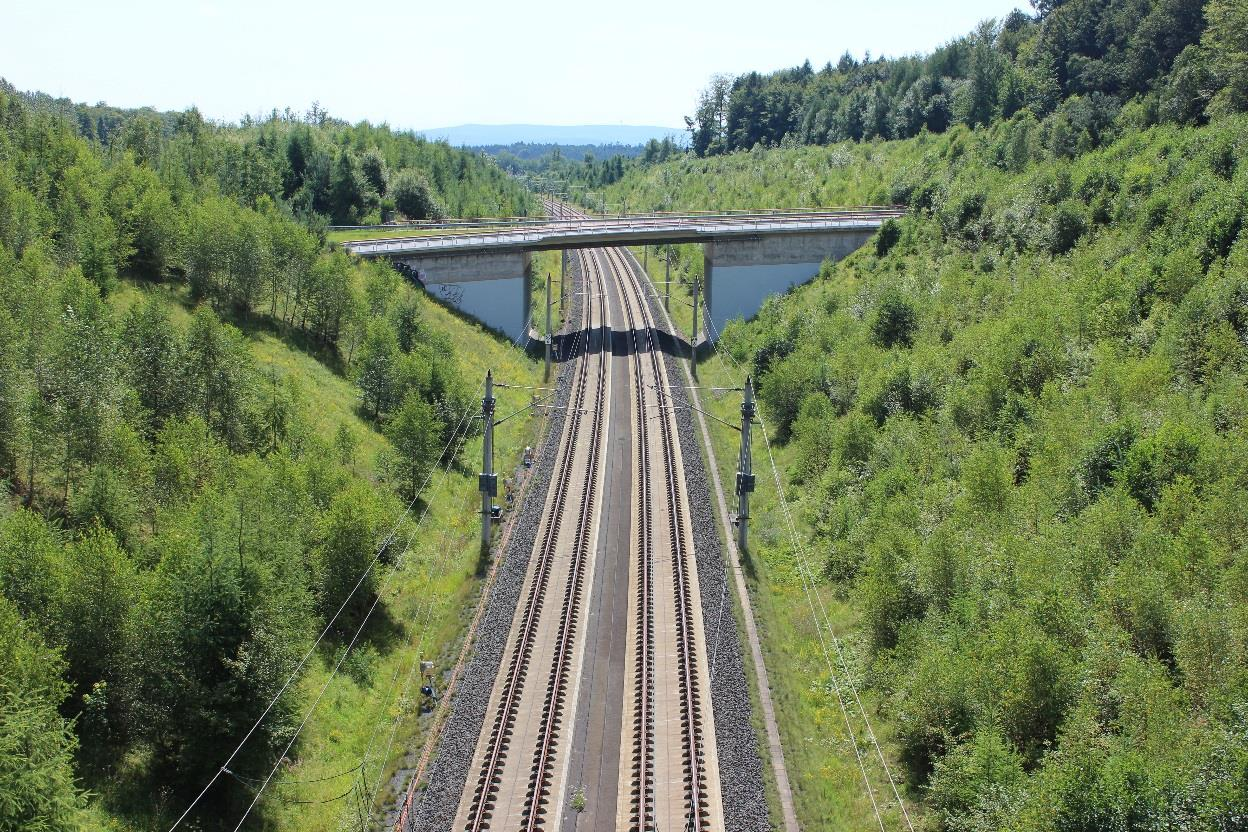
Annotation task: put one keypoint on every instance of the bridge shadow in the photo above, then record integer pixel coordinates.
(571, 345)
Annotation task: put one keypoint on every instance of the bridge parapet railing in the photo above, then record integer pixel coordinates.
(705, 222)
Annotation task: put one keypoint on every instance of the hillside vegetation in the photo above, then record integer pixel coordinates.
(1015, 426)
(214, 433)
(1077, 65)
(1085, 72)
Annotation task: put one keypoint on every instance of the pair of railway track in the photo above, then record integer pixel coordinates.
(668, 780)
(658, 568)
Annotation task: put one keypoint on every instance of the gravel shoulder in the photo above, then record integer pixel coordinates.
(740, 766)
(437, 803)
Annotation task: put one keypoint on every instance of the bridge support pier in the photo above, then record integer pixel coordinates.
(740, 273)
(492, 288)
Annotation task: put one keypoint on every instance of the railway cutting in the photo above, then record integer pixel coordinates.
(597, 712)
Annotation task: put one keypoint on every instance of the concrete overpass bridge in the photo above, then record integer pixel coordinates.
(747, 256)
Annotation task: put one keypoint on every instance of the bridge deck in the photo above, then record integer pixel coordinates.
(598, 232)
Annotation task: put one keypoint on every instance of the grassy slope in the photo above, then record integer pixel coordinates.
(1168, 198)
(425, 600)
(827, 781)
(546, 263)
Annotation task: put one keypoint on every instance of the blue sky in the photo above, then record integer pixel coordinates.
(420, 64)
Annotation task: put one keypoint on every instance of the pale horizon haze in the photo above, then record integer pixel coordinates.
(425, 65)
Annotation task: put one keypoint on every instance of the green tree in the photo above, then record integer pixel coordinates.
(37, 788)
(206, 248)
(154, 361)
(210, 644)
(292, 253)
(1226, 40)
(349, 192)
(100, 588)
(976, 784)
(186, 458)
(86, 375)
(32, 571)
(348, 534)
(218, 377)
(378, 368)
(331, 298)
(407, 322)
(416, 433)
(413, 196)
(151, 223)
(373, 167)
(894, 321)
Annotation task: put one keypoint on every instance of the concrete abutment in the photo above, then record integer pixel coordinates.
(742, 271)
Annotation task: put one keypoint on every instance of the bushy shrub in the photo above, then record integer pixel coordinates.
(785, 386)
(986, 478)
(894, 321)
(1101, 464)
(887, 237)
(977, 785)
(888, 588)
(1065, 228)
(1155, 461)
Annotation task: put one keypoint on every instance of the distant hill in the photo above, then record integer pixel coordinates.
(582, 134)
(529, 151)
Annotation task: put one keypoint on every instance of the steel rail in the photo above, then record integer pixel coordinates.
(557, 685)
(642, 765)
(485, 794)
(690, 704)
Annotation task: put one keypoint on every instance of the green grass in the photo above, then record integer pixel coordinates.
(430, 599)
(546, 263)
(827, 783)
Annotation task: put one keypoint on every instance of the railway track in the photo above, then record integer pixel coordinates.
(667, 768)
(668, 787)
(562, 558)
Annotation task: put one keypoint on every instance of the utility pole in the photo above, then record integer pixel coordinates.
(488, 484)
(667, 282)
(693, 342)
(549, 331)
(745, 466)
(645, 258)
(563, 268)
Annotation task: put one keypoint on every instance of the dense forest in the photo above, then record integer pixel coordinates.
(513, 157)
(1015, 424)
(1082, 68)
(148, 611)
(320, 168)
